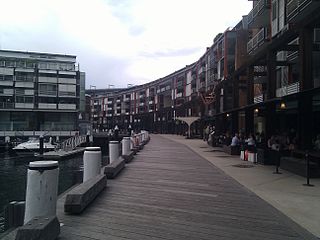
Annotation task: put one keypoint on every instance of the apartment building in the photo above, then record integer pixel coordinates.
(263, 75)
(40, 93)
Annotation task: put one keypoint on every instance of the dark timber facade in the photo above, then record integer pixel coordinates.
(263, 75)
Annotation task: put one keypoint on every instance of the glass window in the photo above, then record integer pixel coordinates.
(10, 63)
(8, 78)
(31, 65)
(21, 64)
(24, 99)
(274, 10)
(42, 65)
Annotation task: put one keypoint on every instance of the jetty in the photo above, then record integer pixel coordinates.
(170, 192)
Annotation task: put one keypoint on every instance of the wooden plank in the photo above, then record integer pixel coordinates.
(169, 192)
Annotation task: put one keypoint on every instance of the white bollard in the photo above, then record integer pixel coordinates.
(113, 151)
(91, 162)
(131, 143)
(42, 189)
(126, 145)
(140, 138)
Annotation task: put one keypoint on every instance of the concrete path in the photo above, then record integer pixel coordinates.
(285, 192)
(170, 192)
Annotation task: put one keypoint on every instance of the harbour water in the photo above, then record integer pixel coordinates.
(13, 173)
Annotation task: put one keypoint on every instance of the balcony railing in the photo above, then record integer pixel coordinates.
(66, 106)
(261, 5)
(295, 6)
(6, 105)
(47, 106)
(258, 98)
(288, 90)
(257, 40)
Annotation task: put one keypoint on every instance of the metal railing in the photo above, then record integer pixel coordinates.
(258, 98)
(262, 4)
(288, 90)
(6, 105)
(71, 143)
(257, 40)
(295, 6)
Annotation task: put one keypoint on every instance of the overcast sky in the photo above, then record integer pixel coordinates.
(119, 42)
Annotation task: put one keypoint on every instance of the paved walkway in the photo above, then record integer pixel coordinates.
(170, 192)
(285, 192)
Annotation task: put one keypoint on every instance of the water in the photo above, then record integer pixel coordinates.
(13, 174)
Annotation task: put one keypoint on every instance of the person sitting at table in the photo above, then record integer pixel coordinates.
(251, 142)
(235, 140)
(317, 143)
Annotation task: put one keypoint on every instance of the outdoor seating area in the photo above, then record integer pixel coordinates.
(279, 150)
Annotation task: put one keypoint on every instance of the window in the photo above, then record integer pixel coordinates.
(21, 64)
(6, 78)
(23, 99)
(31, 65)
(24, 77)
(48, 89)
(10, 63)
(42, 65)
(274, 10)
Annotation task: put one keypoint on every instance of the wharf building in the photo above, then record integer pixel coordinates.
(40, 94)
(263, 75)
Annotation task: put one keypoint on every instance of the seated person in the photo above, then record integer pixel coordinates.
(235, 140)
(317, 143)
(251, 142)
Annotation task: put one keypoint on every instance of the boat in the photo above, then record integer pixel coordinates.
(32, 146)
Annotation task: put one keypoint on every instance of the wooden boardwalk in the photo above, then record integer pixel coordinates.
(170, 192)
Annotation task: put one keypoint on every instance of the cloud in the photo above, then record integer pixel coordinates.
(119, 41)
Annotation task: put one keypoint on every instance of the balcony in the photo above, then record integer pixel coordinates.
(6, 105)
(118, 100)
(141, 104)
(259, 39)
(258, 98)
(47, 93)
(6, 92)
(66, 106)
(47, 106)
(24, 105)
(126, 99)
(288, 90)
(295, 9)
(151, 102)
(259, 15)
(6, 83)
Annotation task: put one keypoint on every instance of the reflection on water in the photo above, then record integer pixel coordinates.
(13, 173)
